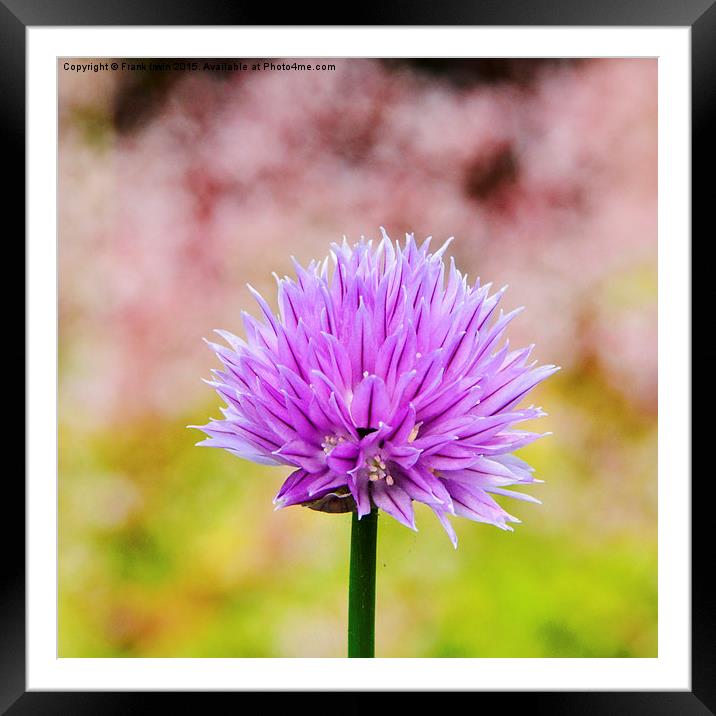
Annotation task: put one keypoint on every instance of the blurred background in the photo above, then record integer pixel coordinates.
(176, 188)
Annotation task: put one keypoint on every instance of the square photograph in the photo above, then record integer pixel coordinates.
(412, 303)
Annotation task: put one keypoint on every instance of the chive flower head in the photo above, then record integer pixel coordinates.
(382, 381)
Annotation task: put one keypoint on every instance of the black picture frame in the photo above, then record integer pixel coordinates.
(699, 15)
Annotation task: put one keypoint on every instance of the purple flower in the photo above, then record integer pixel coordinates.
(382, 382)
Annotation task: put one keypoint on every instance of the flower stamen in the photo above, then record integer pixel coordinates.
(414, 433)
(329, 442)
(377, 470)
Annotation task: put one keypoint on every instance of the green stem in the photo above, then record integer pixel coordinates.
(361, 586)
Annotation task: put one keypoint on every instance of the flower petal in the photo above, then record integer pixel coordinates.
(370, 405)
(445, 522)
(343, 458)
(302, 454)
(394, 501)
(475, 504)
(302, 486)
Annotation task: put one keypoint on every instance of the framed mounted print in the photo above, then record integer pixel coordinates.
(442, 274)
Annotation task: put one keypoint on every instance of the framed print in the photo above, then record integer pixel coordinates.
(353, 218)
